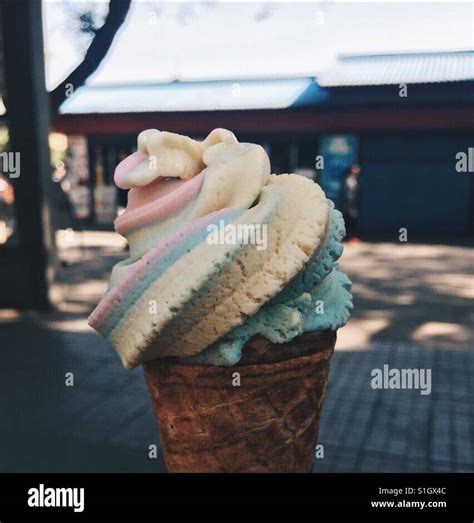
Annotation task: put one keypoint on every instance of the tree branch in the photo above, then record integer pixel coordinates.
(99, 47)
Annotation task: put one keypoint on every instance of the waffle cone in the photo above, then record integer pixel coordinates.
(269, 423)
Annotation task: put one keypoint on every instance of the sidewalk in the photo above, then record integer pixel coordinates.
(410, 313)
(410, 292)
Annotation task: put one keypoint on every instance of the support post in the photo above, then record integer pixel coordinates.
(27, 269)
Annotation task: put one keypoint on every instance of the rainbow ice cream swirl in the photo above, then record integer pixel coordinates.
(198, 284)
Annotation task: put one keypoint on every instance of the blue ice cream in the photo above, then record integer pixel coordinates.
(317, 299)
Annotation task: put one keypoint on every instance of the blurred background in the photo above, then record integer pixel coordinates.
(374, 101)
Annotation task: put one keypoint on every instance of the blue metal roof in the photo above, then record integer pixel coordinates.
(187, 96)
(420, 70)
(389, 69)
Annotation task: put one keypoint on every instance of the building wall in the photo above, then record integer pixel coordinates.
(409, 180)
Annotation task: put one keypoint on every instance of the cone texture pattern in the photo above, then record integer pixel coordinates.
(270, 423)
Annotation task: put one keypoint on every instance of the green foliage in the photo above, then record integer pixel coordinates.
(87, 23)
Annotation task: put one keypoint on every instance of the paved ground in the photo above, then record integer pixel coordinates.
(410, 292)
(413, 310)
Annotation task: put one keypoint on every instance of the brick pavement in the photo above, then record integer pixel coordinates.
(383, 430)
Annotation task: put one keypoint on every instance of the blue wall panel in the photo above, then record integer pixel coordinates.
(409, 180)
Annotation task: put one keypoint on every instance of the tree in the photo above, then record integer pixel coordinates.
(104, 36)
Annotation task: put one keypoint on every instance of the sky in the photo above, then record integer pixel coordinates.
(164, 41)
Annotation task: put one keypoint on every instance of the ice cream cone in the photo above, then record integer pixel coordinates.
(259, 416)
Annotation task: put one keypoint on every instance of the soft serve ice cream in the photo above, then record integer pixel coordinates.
(182, 293)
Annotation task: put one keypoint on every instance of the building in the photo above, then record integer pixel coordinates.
(406, 118)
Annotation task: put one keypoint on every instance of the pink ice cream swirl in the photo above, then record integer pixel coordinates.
(172, 182)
